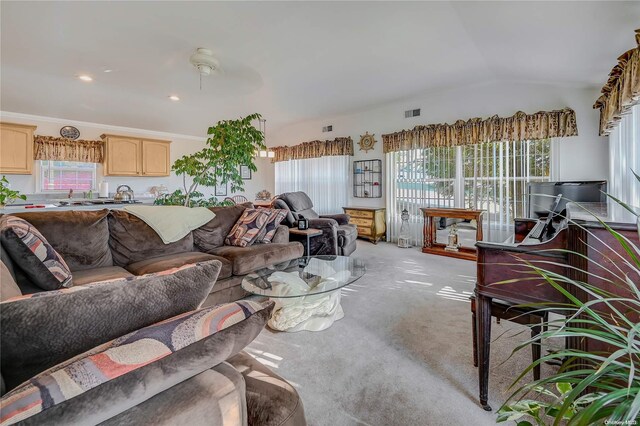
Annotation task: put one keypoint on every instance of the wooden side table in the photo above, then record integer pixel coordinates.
(430, 228)
(308, 233)
(370, 221)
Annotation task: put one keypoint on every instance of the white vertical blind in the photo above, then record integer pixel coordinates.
(490, 176)
(418, 178)
(624, 156)
(324, 179)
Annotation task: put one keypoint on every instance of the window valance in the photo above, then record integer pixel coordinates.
(622, 90)
(518, 127)
(314, 149)
(63, 149)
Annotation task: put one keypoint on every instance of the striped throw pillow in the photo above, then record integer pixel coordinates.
(31, 251)
(119, 357)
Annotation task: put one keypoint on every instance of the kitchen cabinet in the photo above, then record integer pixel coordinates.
(130, 156)
(16, 148)
(155, 158)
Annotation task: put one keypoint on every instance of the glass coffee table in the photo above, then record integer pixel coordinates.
(306, 290)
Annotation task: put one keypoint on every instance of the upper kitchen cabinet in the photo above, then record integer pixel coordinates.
(130, 156)
(16, 148)
(155, 157)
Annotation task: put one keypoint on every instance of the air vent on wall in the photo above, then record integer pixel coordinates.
(412, 113)
(327, 129)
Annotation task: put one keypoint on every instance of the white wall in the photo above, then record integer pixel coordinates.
(180, 145)
(584, 157)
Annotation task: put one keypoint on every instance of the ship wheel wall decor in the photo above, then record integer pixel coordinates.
(367, 142)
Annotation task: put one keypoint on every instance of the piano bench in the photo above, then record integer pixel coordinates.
(520, 315)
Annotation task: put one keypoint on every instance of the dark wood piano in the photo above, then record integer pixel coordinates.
(499, 262)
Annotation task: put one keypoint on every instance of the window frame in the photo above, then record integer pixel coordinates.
(39, 179)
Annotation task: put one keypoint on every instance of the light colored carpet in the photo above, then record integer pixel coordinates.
(402, 355)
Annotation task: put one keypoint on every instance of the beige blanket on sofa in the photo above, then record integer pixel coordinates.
(171, 223)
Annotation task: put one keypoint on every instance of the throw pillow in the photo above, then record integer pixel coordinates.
(276, 216)
(247, 229)
(28, 249)
(43, 329)
(124, 372)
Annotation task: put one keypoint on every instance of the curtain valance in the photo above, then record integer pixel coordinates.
(314, 149)
(622, 90)
(520, 126)
(63, 149)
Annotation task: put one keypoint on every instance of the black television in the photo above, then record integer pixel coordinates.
(540, 195)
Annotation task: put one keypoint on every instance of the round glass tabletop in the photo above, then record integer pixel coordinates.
(304, 276)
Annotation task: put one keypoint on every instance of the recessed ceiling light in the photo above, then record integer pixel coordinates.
(174, 98)
(107, 70)
(85, 77)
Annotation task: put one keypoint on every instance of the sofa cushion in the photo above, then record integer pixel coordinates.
(170, 261)
(216, 394)
(127, 371)
(248, 228)
(8, 286)
(44, 329)
(106, 273)
(248, 259)
(31, 251)
(271, 400)
(281, 235)
(131, 240)
(212, 234)
(81, 237)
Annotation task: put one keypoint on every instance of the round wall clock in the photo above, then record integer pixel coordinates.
(70, 132)
(367, 142)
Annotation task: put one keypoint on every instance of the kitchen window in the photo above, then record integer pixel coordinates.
(66, 175)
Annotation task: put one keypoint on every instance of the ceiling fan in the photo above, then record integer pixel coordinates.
(204, 61)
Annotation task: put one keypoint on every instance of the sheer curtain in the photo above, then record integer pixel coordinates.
(324, 179)
(624, 156)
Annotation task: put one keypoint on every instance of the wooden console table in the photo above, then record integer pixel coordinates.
(432, 246)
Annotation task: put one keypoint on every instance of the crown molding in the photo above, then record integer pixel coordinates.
(8, 115)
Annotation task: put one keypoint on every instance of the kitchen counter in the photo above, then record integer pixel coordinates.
(76, 204)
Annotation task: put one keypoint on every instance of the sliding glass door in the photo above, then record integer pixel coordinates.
(491, 176)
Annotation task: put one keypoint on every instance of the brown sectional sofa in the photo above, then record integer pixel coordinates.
(108, 244)
(103, 245)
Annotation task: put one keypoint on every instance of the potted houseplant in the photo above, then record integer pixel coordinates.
(588, 388)
(7, 195)
(230, 143)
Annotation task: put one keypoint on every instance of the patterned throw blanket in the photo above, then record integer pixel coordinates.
(172, 223)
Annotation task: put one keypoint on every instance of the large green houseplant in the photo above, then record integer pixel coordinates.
(230, 144)
(7, 195)
(588, 388)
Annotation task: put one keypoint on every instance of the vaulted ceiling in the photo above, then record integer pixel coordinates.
(290, 61)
